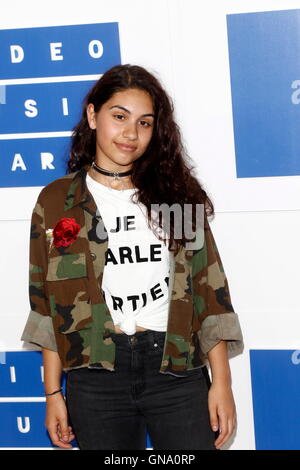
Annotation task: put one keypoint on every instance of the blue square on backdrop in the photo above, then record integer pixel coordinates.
(275, 376)
(264, 51)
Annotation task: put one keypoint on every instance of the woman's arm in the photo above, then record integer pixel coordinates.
(220, 397)
(220, 334)
(39, 329)
(56, 411)
(219, 364)
(52, 370)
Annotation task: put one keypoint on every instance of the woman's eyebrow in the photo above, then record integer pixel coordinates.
(127, 110)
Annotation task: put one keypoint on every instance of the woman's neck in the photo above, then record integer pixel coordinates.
(124, 182)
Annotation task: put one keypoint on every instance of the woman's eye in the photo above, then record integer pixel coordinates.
(118, 116)
(145, 124)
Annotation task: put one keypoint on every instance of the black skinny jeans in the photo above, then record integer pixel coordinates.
(113, 410)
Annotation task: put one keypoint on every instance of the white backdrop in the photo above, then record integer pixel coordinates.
(184, 42)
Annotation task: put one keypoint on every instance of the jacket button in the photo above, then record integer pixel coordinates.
(93, 256)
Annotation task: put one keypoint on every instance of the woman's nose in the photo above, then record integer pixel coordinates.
(130, 131)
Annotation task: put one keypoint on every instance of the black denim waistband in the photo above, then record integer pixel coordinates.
(138, 337)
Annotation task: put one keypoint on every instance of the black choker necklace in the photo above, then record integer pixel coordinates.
(116, 174)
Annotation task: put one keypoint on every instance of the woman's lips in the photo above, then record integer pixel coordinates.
(125, 148)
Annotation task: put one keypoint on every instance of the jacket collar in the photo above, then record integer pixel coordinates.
(78, 192)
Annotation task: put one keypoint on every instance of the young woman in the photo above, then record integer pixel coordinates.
(133, 321)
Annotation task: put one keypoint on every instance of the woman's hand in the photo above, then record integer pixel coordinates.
(220, 398)
(221, 410)
(57, 421)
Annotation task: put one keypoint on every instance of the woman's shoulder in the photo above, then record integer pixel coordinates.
(59, 187)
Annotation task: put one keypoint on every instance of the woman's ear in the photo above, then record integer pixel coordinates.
(91, 115)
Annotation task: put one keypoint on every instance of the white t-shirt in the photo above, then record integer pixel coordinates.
(137, 265)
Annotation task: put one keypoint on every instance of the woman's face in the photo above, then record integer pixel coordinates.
(124, 127)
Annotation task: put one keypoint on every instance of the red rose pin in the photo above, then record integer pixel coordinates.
(65, 232)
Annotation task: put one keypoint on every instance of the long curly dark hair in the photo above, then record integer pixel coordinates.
(164, 173)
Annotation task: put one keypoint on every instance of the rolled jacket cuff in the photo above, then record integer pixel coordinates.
(39, 332)
(224, 326)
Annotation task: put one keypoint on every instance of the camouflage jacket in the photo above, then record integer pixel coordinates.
(68, 311)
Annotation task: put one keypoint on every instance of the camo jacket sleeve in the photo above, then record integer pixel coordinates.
(217, 318)
(38, 331)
